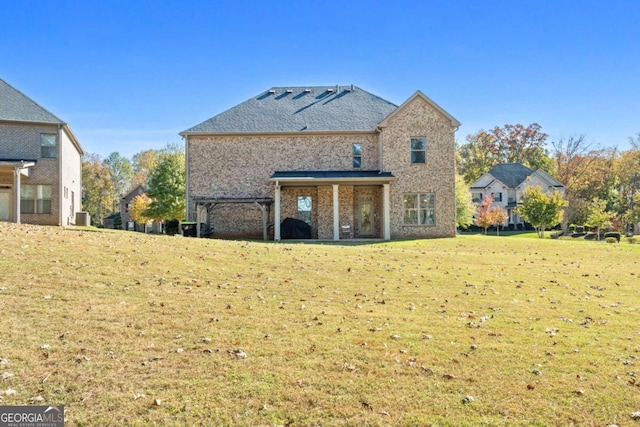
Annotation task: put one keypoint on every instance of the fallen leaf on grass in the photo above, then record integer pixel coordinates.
(239, 354)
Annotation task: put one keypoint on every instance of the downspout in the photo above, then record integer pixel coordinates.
(455, 172)
(186, 185)
(380, 149)
(60, 183)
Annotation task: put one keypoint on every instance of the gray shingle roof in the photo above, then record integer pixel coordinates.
(510, 174)
(17, 107)
(300, 109)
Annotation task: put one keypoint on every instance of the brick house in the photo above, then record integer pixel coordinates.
(347, 162)
(40, 163)
(506, 182)
(127, 222)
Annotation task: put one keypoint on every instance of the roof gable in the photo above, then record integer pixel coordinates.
(548, 178)
(301, 109)
(418, 94)
(17, 107)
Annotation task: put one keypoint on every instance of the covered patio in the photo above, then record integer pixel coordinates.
(11, 173)
(347, 204)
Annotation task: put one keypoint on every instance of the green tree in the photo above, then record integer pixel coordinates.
(97, 188)
(508, 144)
(477, 156)
(599, 216)
(167, 187)
(633, 215)
(540, 209)
(143, 164)
(464, 206)
(121, 172)
(627, 171)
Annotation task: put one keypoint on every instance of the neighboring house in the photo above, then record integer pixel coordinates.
(40, 163)
(506, 182)
(348, 163)
(111, 222)
(127, 222)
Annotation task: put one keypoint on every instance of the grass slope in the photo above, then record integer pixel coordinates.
(130, 329)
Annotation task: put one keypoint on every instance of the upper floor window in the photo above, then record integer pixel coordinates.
(497, 197)
(357, 156)
(419, 209)
(48, 145)
(304, 208)
(476, 197)
(35, 199)
(418, 150)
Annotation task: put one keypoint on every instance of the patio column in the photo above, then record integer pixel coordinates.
(336, 213)
(16, 194)
(276, 215)
(386, 212)
(198, 220)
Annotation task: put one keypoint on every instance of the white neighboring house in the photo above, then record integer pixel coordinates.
(507, 182)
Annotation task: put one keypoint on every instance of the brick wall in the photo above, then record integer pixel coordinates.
(437, 175)
(22, 141)
(240, 166)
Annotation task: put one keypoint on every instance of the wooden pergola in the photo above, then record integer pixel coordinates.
(262, 203)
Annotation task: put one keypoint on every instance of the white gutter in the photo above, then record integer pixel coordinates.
(380, 149)
(186, 185)
(60, 183)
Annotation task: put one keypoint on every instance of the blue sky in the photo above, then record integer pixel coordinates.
(129, 75)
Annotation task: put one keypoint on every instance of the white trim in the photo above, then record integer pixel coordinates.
(386, 211)
(276, 214)
(336, 212)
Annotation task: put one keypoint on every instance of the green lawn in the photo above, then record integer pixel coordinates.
(132, 329)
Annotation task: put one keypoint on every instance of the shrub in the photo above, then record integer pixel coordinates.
(611, 240)
(615, 234)
(172, 227)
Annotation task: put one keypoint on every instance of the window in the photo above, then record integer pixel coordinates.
(419, 209)
(48, 145)
(304, 209)
(357, 156)
(497, 197)
(35, 199)
(476, 197)
(418, 150)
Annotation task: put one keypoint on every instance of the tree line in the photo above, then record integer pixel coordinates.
(161, 173)
(602, 184)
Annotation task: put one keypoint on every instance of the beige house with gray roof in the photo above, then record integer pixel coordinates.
(506, 183)
(40, 163)
(347, 163)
